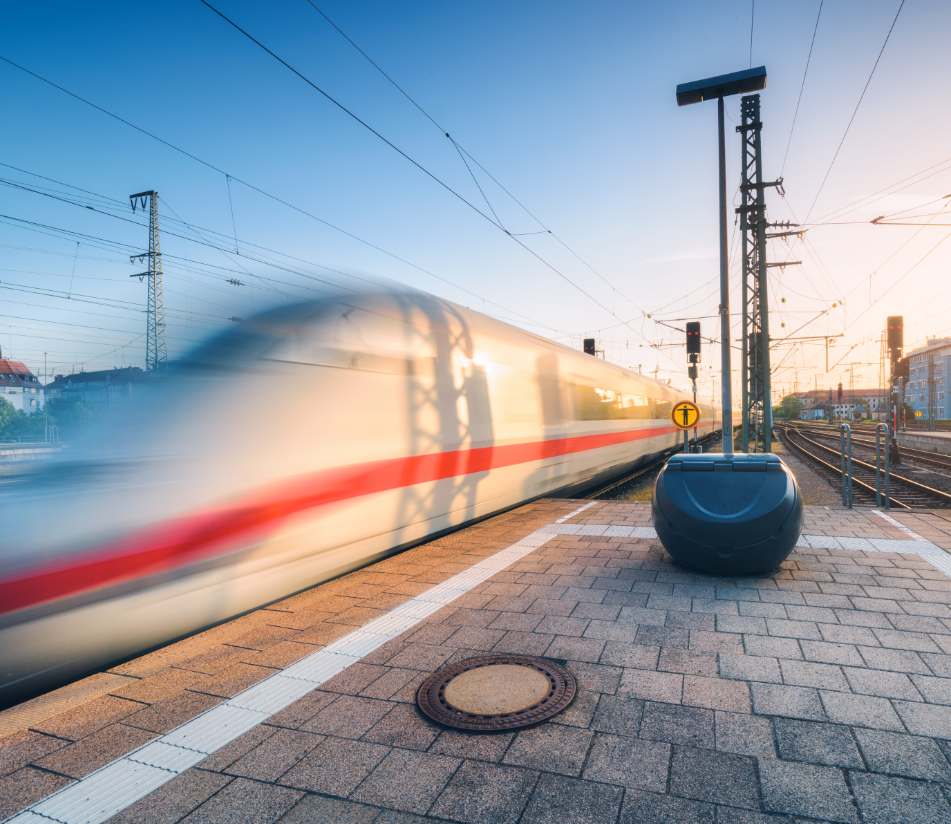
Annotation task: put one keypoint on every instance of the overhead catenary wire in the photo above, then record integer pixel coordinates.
(462, 151)
(273, 197)
(415, 163)
(851, 119)
(802, 86)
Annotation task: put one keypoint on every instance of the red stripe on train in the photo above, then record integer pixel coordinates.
(215, 531)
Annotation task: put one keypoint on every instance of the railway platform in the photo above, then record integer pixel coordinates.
(821, 692)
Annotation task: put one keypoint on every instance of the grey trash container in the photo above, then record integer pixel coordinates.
(727, 514)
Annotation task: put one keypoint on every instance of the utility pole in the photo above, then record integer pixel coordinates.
(755, 368)
(156, 353)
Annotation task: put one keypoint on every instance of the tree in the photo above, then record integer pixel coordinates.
(789, 408)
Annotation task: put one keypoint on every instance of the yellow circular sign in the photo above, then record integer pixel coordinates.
(918, 414)
(685, 415)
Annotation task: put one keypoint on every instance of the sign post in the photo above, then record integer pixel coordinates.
(685, 416)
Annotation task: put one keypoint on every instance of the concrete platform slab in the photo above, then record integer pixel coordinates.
(822, 690)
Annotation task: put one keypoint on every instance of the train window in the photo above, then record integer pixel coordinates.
(594, 404)
(662, 409)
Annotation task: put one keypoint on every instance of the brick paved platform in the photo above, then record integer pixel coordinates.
(819, 693)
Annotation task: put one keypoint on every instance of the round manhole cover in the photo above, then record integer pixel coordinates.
(496, 692)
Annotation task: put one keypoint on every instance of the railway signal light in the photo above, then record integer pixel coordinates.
(902, 369)
(589, 348)
(693, 341)
(840, 393)
(896, 326)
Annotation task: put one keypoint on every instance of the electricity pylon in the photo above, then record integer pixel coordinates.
(156, 353)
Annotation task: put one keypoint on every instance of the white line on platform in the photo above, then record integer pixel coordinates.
(933, 554)
(111, 789)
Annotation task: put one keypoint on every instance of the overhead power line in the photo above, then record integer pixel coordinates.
(796, 113)
(464, 154)
(415, 163)
(273, 197)
(861, 98)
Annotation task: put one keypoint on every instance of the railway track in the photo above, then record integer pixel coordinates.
(930, 459)
(905, 492)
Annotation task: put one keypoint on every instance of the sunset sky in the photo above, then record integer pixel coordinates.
(570, 107)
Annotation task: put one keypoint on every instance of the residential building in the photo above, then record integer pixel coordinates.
(917, 392)
(102, 387)
(20, 386)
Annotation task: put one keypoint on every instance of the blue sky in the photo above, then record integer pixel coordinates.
(570, 106)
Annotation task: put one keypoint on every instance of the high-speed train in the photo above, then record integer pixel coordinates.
(306, 442)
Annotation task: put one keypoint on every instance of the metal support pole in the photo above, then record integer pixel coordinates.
(686, 442)
(845, 441)
(727, 378)
(878, 463)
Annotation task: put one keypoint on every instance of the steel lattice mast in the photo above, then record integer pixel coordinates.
(757, 396)
(156, 353)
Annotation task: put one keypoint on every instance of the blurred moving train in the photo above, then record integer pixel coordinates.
(308, 441)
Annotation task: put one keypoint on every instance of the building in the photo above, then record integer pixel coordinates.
(20, 386)
(103, 387)
(936, 351)
(815, 412)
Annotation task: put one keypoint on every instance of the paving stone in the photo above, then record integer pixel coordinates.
(316, 809)
(860, 711)
(792, 702)
(628, 762)
(654, 686)
(674, 724)
(690, 620)
(886, 800)
(88, 718)
(894, 660)
(348, 716)
(917, 641)
(802, 789)
(558, 800)
(406, 780)
(23, 747)
(551, 748)
(750, 668)
(595, 677)
(239, 747)
(793, 629)
(934, 690)
(652, 808)
(521, 621)
(95, 751)
(906, 755)
(275, 755)
(716, 694)
(758, 609)
(468, 745)
(245, 802)
(687, 662)
(423, 657)
(825, 653)
(335, 767)
(26, 786)
(174, 800)
(812, 743)
(660, 636)
(616, 714)
(717, 777)
(881, 683)
(806, 674)
(403, 727)
(716, 642)
(925, 719)
(635, 656)
(575, 649)
(524, 643)
(744, 734)
(156, 687)
(481, 792)
(302, 710)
